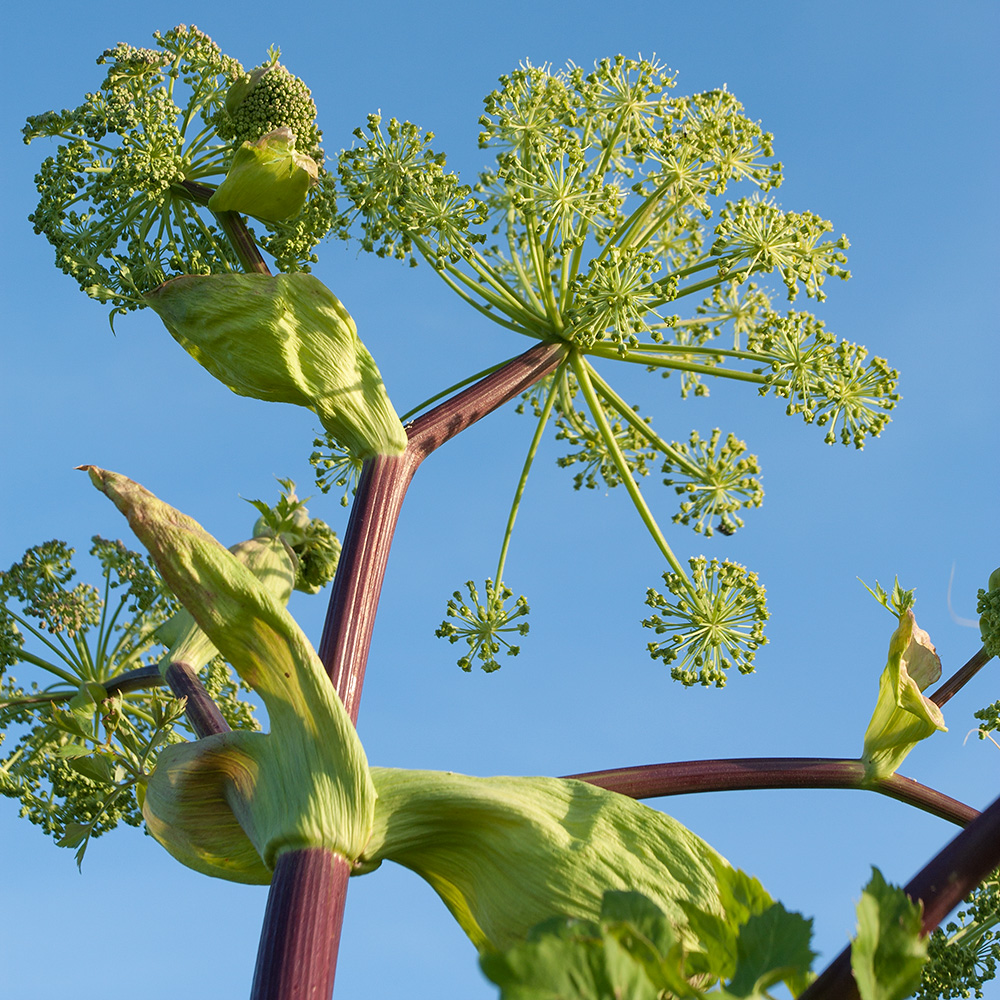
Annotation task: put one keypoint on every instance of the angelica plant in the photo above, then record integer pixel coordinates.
(610, 203)
(75, 638)
(605, 226)
(86, 731)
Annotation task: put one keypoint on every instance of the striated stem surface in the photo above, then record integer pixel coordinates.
(201, 711)
(297, 957)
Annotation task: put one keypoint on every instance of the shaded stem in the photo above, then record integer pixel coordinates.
(201, 711)
(941, 885)
(961, 677)
(742, 773)
(297, 956)
(232, 224)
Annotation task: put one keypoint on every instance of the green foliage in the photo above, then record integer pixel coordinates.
(888, 953)
(483, 624)
(121, 200)
(75, 755)
(963, 955)
(717, 623)
(897, 603)
(988, 609)
(633, 951)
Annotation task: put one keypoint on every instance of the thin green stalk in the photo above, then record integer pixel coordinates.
(503, 292)
(523, 481)
(653, 361)
(626, 411)
(447, 277)
(526, 284)
(37, 660)
(582, 371)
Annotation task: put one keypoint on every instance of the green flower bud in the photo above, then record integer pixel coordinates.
(285, 339)
(267, 179)
(241, 89)
(903, 716)
(314, 543)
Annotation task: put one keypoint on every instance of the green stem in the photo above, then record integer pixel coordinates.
(626, 411)
(523, 481)
(582, 371)
(654, 361)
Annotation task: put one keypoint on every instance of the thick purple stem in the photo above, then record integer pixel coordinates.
(350, 619)
(305, 908)
(297, 957)
(941, 885)
(684, 777)
(201, 711)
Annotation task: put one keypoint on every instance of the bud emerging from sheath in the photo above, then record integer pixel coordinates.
(902, 716)
(268, 179)
(285, 339)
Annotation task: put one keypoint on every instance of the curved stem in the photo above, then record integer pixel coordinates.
(232, 224)
(201, 711)
(742, 773)
(543, 420)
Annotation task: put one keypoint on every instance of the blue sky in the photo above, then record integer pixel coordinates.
(884, 116)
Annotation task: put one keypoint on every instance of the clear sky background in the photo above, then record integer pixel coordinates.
(884, 115)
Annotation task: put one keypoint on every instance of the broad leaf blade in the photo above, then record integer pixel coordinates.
(888, 954)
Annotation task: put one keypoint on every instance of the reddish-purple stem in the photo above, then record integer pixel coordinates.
(297, 957)
(384, 481)
(201, 711)
(961, 677)
(298, 917)
(683, 777)
(941, 885)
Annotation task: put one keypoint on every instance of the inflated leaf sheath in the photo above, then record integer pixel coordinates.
(268, 179)
(903, 716)
(306, 783)
(284, 338)
(506, 853)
